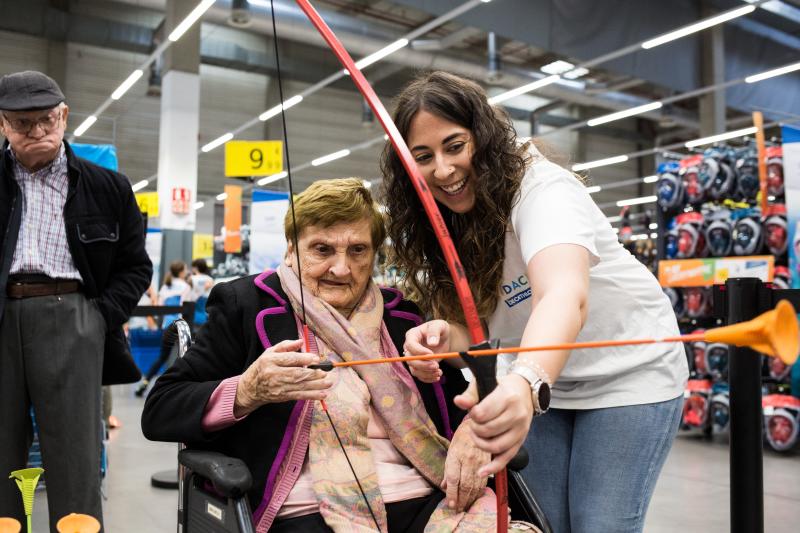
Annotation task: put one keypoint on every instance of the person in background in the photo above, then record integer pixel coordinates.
(174, 291)
(150, 297)
(72, 267)
(201, 282)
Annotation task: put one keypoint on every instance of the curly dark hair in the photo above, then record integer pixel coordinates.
(499, 163)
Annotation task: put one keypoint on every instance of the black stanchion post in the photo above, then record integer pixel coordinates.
(744, 371)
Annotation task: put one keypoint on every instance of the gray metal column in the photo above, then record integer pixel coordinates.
(712, 106)
(178, 134)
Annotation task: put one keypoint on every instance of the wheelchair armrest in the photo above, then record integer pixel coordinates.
(230, 476)
(519, 461)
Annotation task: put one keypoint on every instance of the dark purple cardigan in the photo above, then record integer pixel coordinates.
(227, 344)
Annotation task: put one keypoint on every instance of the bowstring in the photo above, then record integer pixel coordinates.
(297, 254)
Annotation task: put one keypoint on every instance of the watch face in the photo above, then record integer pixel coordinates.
(544, 396)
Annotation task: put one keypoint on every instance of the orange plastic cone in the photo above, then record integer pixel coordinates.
(78, 523)
(774, 333)
(9, 525)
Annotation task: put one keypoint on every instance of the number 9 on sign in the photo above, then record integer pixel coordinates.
(253, 158)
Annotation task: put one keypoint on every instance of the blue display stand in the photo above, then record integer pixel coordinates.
(145, 347)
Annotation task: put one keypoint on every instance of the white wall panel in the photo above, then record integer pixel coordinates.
(21, 52)
(326, 122)
(228, 99)
(131, 123)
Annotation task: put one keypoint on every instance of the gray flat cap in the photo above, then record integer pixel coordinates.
(29, 91)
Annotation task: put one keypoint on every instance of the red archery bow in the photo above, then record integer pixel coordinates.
(440, 228)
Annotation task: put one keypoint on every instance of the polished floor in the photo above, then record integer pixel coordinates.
(691, 496)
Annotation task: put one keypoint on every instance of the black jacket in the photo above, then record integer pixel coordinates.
(229, 343)
(105, 236)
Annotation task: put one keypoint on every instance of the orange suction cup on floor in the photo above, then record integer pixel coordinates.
(78, 523)
(9, 525)
(773, 333)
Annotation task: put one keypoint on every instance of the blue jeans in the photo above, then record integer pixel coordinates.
(594, 470)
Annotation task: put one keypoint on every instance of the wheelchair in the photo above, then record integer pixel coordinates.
(212, 488)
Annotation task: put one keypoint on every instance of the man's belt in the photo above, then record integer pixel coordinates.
(20, 289)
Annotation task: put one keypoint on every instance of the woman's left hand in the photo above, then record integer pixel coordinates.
(500, 422)
(462, 484)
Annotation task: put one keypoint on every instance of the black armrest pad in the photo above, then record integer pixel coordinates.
(230, 476)
(519, 461)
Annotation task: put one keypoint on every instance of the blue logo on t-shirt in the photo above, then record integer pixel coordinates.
(515, 285)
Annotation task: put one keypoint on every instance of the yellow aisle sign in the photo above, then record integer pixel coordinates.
(253, 158)
(202, 246)
(148, 203)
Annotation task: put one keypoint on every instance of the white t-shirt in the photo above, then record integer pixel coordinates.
(201, 286)
(625, 301)
(178, 288)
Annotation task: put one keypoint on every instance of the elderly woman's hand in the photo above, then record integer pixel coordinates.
(462, 484)
(500, 422)
(430, 337)
(280, 375)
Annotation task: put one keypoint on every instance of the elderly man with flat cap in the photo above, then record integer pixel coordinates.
(72, 267)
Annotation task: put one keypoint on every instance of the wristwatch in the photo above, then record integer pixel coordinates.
(540, 390)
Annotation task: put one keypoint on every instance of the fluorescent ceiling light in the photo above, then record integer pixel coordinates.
(538, 84)
(380, 54)
(189, 21)
(139, 185)
(222, 196)
(600, 163)
(218, 141)
(653, 225)
(198, 205)
(85, 125)
(698, 26)
(367, 184)
(654, 235)
(574, 74)
(272, 178)
(625, 113)
(721, 137)
(637, 201)
(557, 67)
(650, 179)
(565, 69)
(772, 73)
(330, 157)
(127, 84)
(291, 102)
(593, 189)
(613, 219)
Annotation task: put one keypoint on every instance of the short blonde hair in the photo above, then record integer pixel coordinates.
(329, 202)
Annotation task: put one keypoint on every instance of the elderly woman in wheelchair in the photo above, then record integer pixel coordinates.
(357, 449)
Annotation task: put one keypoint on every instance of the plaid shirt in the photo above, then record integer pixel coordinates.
(42, 243)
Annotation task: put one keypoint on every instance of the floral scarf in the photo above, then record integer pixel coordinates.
(390, 389)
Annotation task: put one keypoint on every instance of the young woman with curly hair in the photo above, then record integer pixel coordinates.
(545, 265)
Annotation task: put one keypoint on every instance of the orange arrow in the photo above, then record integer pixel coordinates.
(774, 333)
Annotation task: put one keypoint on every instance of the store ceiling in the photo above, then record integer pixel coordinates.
(530, 34)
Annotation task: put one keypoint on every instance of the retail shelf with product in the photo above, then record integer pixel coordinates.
(714, 224)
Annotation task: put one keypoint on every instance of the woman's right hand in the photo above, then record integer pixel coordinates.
(280, 375)
(430, 337)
